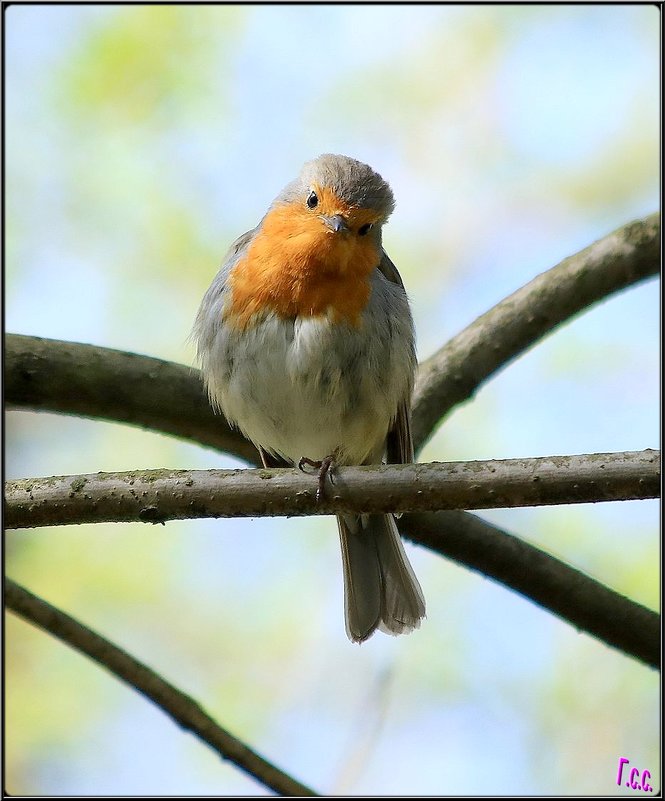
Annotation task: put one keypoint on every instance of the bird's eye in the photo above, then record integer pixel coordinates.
(365, 229)
(312, 200)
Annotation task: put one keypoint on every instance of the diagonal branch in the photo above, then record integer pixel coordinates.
(552, 584)
(453, 374)
(160, 495)
(178, 706)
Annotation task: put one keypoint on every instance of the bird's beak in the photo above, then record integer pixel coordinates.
(336, 223)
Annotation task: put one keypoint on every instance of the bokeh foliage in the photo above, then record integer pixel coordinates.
(141, 140)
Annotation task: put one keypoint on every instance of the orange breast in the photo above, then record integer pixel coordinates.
(297, 267)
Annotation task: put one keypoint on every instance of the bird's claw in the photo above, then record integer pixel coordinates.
(325, 467)
(307, 461)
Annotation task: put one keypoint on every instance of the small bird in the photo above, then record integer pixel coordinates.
(306, 344)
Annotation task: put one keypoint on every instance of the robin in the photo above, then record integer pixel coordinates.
(306, 344)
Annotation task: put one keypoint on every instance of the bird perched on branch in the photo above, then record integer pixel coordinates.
(306, 344)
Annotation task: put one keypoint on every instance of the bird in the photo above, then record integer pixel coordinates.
(306, 344)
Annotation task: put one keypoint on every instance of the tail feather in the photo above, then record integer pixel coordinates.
(380, 588)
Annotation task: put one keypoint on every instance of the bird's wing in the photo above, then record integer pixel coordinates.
(390, 271)
(399, 442)
(237, 249)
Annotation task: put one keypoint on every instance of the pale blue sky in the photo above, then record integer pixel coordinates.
(512, 137)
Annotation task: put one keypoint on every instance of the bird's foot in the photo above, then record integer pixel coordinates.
(325, 468)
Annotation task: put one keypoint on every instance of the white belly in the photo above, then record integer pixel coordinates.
(300, 389)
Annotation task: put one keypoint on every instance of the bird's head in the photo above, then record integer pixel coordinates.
(318, 244)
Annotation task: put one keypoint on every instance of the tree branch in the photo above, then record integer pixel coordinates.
(97, 382)
(178, 706)
(453, 374)
(88, 381)
(159, 495)
(552, 584)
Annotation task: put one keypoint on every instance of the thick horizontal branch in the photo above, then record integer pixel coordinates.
(71, 378)
(159, 495)
(180, 707)
(453, 374)
(573, 596)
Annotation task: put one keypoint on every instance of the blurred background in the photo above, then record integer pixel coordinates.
(140, 141)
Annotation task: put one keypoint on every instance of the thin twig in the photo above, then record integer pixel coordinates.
(180, 707)
(453, 374)
(155, 496)
(573, 596)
